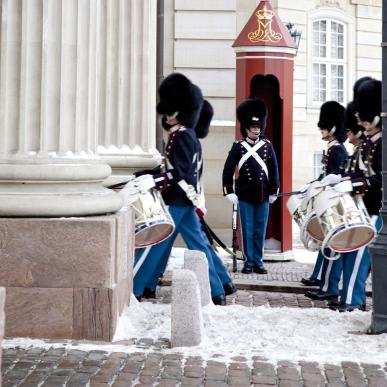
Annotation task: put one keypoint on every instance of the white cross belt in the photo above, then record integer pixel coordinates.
(252, 152)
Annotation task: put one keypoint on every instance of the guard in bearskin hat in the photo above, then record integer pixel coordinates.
(257, 183)
(355, 135)
(366, 178)
(327, 273)
(186, 116)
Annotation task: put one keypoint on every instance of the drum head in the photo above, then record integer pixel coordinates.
(314, 229)
(352, 237)
(152, 233)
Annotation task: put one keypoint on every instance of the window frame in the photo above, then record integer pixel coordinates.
(337, 16)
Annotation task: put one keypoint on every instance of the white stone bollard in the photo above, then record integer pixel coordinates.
(186, 311)
(197, 262)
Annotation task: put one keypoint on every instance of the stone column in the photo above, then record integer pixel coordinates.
(48, 113)
(66, 275)
(127, 86)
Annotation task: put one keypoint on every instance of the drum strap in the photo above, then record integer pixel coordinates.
(252, 152)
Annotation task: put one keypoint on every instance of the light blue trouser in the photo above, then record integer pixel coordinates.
(186, 223)
(356, 268)
(254, 217)
(317, 266)
(331, 274)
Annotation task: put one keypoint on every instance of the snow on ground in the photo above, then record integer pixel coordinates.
(275, 333)
(293, 334)
(284, 333)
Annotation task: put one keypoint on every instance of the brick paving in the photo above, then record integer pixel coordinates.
(61, 367)
(150, 364)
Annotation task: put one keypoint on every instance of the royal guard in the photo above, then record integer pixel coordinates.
(186, 116)
(257, 182)
(367, 181)
(326, 272)
(355, 135)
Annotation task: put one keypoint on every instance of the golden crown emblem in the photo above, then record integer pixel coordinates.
(265, 31)
(264, 14)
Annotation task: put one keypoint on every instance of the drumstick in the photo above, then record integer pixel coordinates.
(290, 193)
(295, 192)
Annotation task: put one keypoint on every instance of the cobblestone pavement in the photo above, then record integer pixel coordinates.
(281, 277)
(257, 298)
(73, 368)
(150, 365)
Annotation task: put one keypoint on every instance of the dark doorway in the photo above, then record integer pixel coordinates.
(266, 88)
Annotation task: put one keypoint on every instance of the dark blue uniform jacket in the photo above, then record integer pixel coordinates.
(367, 177)
(334, 160)
(252, 184)
(183, 162)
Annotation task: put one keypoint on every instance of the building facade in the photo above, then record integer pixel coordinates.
(340, 43)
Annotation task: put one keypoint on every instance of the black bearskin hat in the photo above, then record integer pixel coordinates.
(350, 120)
(178, 94)
(250, 112)
(369, 100)
(203, 125)
(332, 115)
(357, 84)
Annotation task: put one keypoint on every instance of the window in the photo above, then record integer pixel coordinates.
(328, 61)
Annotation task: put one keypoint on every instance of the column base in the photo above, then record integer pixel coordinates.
(66, 278)
(43, 187)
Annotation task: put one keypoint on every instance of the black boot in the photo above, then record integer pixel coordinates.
(229, 288)
(259, 270)
(219, 300)
(247, 270)
(310, 281)
(149, 293)
(321, 296)
(351, 308)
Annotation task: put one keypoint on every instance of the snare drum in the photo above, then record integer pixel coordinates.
(294, 205)
(153, 223)
(343, 219)
(311, 224)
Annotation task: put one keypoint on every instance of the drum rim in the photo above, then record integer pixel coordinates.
(308, 221)
(345, 227)
(149, 225)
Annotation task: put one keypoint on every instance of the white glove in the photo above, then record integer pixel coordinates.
(272, 198)
(144, 183)
(331, 179)
(129, 193)
(232, 198)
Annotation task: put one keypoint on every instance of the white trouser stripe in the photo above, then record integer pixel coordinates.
(320, 271)
(327, 275)
(356, 266)
(141, 260)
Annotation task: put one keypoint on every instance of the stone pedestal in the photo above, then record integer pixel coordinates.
(66, 277)
(2, 301)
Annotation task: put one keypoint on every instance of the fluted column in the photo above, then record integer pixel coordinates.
(127, 85)
(48, 110)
